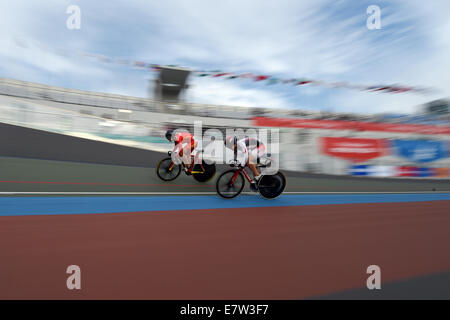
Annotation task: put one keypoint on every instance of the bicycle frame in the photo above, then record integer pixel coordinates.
(246, 175)
(241, 169)
(191, 166)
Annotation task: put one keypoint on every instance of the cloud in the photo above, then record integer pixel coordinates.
(319, 39)
(229, 93)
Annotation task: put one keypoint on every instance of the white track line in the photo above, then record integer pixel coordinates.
(203, 193)
(106, 193)
(362, 192)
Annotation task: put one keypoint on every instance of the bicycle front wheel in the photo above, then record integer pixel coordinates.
(226, 187)
(166, 170)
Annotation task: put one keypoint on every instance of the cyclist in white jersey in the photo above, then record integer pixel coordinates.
(251, 149)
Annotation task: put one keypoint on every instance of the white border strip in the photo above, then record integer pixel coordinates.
(203, 193)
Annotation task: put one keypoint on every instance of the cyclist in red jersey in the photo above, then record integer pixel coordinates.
(184, 145)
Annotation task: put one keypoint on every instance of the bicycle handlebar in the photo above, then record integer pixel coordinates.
(234, 163)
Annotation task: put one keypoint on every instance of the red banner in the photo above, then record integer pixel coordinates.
(406, 171)
(353, 149)
(349, 125)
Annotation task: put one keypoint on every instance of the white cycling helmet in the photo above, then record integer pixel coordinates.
(230, 141)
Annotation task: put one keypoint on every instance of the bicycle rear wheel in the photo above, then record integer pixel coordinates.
(166, 170)
(228, 189)
(271, 186)
(210, 172)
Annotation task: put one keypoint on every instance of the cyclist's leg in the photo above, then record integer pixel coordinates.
(252, 162)
(188, 159)
(260, 152)
(196, 154)
(193, 158)
(177, 152)
(185, 154)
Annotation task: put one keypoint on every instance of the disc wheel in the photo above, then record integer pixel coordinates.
(271, 186)
(210, 172)
(165, 172)
(228, 189)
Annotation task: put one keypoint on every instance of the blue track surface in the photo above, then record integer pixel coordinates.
(22, 206)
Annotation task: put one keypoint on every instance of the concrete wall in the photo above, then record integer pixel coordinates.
(17, 141)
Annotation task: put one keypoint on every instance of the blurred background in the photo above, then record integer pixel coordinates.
(347, 99)
(359, 92)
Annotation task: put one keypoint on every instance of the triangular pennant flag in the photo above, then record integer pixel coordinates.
(381, 89)
(300, 83)
(220, 74)
(139, 64)
(246, 75)
(317, 82)
(399, 89)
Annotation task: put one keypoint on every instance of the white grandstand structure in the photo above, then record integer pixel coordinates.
(141, 122)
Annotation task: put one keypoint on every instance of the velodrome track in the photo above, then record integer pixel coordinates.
(71, 201)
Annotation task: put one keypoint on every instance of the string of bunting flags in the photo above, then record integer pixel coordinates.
(271, 80)
(268, 79)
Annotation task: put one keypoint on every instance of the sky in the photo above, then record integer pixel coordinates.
(320, 39)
